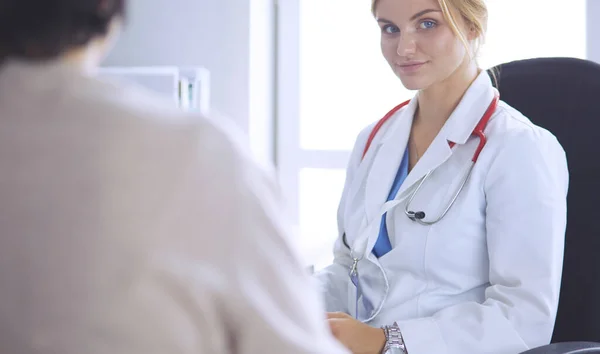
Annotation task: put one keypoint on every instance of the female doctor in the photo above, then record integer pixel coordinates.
(453, 214)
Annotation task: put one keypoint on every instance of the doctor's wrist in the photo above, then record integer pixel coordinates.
(378, 340)
(394, 341)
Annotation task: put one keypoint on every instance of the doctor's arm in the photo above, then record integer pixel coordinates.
(526, 188)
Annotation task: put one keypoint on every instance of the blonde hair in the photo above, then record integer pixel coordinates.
(473, 12)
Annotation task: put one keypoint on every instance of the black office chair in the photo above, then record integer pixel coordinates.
(567, 348)
(563, 96)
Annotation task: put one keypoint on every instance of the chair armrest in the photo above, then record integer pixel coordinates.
(567, 348)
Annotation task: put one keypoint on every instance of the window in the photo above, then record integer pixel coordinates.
(333, 82)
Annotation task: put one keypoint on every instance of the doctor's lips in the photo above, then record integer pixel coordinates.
(409, 67)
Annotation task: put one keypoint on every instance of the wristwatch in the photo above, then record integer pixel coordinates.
(394, 343)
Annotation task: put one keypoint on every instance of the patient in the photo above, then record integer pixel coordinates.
(127, 226)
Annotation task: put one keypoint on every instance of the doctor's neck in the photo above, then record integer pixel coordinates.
(437, 102)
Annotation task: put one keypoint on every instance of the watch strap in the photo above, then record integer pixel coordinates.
(394, 342)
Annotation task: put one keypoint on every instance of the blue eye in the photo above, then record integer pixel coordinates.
(390, 29)
(427, 24)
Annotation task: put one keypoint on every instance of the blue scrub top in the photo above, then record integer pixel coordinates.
(383, 244)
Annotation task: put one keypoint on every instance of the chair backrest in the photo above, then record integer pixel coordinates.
(563, 96)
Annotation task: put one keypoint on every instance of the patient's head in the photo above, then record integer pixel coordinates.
(49, 29)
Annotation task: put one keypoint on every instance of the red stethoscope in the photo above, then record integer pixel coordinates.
(419, 216)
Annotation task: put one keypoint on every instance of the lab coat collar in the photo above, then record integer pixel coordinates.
(462, 121)
(470, 110)
(389, 150)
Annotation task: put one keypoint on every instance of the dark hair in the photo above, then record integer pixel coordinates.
(45, 29)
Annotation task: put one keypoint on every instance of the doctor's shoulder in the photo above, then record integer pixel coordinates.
(513, 137)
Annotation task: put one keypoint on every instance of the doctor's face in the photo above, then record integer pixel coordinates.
(418, 42)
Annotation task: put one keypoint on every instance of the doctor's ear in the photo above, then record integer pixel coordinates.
(473, 33)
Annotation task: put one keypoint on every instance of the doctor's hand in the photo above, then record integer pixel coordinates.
(358, 337)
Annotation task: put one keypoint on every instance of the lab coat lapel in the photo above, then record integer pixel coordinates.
(386, 160)
(470, 110)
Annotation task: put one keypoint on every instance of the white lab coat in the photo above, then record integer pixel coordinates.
(129, 227)
(486, 278)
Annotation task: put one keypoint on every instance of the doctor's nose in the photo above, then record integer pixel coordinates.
(406, 46)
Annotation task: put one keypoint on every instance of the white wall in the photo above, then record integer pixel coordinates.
(233, 39)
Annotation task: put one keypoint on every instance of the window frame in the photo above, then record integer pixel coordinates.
(290, 156)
